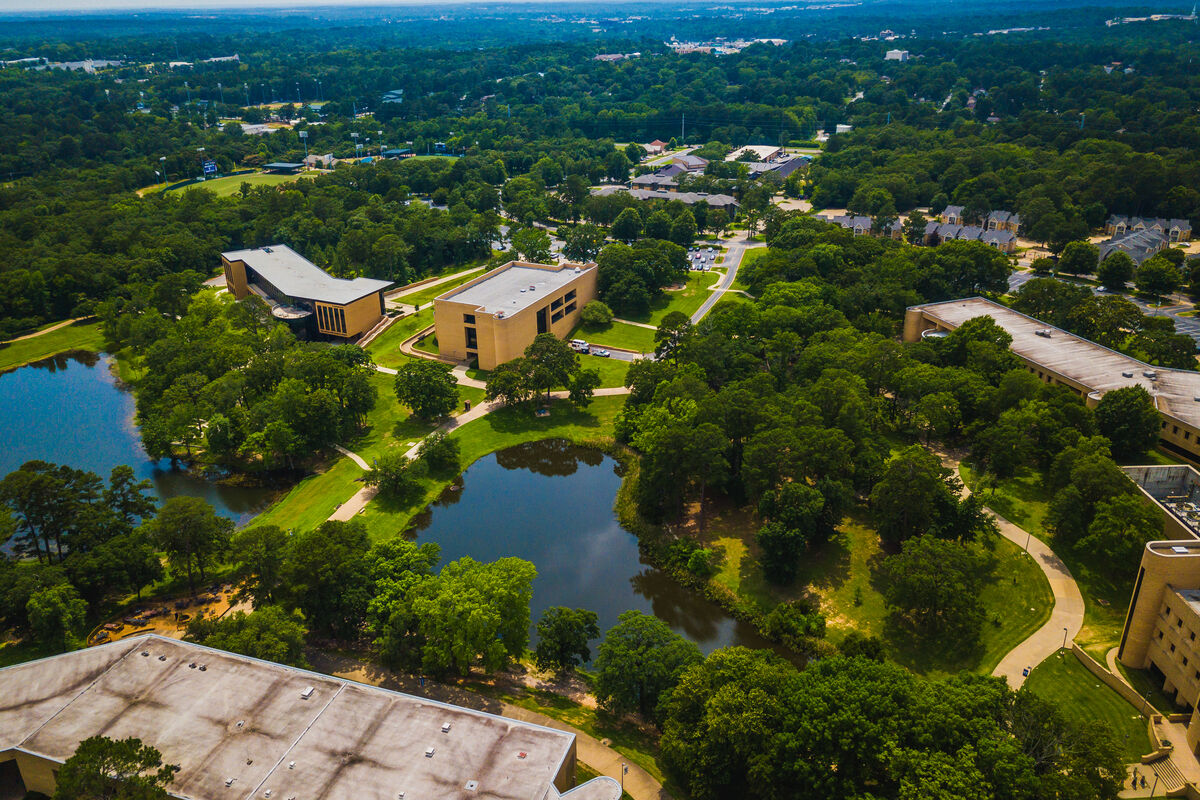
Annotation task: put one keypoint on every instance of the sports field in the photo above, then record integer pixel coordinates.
(227, 186)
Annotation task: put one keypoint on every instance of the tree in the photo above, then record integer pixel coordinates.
(440, 452)
(1079, 258)
(583, 242)
(269, 633)
(932, 587)
(563, 635)
(1128, 417)
(326, 577)
(550, 362)
(427, 387)
(108, 769)
(1120, 529)
(395, 475)
(628, 225)
(683, 229)
(595, 314)
(531, 244)
(583, 386)
(56, 615)
(795, 513)
(639, 659)
(191, 534)
(658, 225)
(259, 554)
(1157, 276)
(672, 335)
(509, 382)
(1116, 271)
(914, 227)
(913, 496)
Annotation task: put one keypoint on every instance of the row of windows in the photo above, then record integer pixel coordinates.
(331, 319)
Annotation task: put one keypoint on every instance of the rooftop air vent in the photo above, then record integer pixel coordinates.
(267, 793)
(1127, 374)
(241, 722)
(429, 752)
(266, 249)
(472, 785)
(522, 291)
(192, 665)
(202, 668)
(229, 781)
(445, 727)
(291, 765)
(1180, 550)
(162, 658)
(145, 653)
(1151, 374)
(522, 754)
(307, 693)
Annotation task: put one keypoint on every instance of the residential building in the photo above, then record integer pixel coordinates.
(311, 301)
(858, 225)
(896, 55)
(493, 318)
(1086, 368)
(1139, 244)
(656, 147)
(1002, 221)
(691, 163)
(782, 167)
(655, 181)
(722, 201)
(938, 232)
(238, 727)
(1174, 230)
(952, 215)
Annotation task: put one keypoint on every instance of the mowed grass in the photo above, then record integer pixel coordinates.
(1062, 680)
(685, 300)
(385, 348)
(748, 258)
(84, 335)
(425, 296)
(232, 184)
(1024, 501)
(842, 576)
(617, 334)
(612, 371)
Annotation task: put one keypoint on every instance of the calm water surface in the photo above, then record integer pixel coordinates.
(70, 410)
(552, 503)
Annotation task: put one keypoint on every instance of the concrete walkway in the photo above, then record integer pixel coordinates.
(638, 324)
(44, 331)
(355, 457)
(638, 783)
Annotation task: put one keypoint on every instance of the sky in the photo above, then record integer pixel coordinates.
(161, 5)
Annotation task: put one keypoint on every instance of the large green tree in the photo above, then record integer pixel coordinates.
(639, 659)
(108, 769)
(193, 536)
(1128, 417)
(563, 636)
(427, 387)
(269, 633)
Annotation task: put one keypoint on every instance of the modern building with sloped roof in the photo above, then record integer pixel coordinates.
(1139, 245)
(308, 298)
(243, 728)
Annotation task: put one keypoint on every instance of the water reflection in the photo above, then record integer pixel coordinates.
(69, 409)
(550, 502)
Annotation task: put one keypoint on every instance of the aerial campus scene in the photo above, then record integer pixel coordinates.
(599, 400)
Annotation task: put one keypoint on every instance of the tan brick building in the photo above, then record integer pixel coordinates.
(310, 300)
(495, 317)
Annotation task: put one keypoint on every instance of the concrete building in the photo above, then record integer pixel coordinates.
(495, 317)
(243, 728)
(726, 202)
(1086, 368)
(896, 55)
(764, 153)
(310, 300)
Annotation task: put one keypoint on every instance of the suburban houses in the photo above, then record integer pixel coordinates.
(722, 201)
(1137, 244)
(1174, 230)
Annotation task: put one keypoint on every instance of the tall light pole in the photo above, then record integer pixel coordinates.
(624, 769)
(163, 160)
(221, 91)
(298, 101)
(1064, 638)
(246, 88)
(318, 90)
(188, 89)
(304, 138)
(380, 135)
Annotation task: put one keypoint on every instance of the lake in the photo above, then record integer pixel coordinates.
(69, 409)
(551, 503)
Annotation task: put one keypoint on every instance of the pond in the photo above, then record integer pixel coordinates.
(551, 503)
(69, 409)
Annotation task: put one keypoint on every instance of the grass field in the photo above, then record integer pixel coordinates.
(617, 334)
(425, 296)
(385, 349)
(842, 576)
(231, 184)
(1062, 680)
(686, 300)
(1024, 500)
(79, 336)
(612, 371)
(748, 258)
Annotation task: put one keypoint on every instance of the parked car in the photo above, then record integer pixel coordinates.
(601, 353)
(579, 346)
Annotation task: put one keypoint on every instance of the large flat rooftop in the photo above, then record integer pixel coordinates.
(296, 733)
(296, 276)
(1175, 391)
(516, 286)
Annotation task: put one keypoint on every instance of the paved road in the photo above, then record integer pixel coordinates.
(733, 260)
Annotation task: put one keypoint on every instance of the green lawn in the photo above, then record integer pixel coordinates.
(1147, 685)
(385, 348)
(79, 336)
(842, 575)
(748, 258)
(425, 296)
(612, 371)
(232, 184)
(687, 299)
(1105, 587)
(617, 334)
(1063, 680)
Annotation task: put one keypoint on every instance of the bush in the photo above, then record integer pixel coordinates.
(395, 476)
(596, 313)
(440, 452)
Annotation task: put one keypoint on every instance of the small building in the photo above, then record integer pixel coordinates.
(656, 147)
(858, 225)
(310, 300)
(1002, 221)
(496, 316)
(319, 161)
(398, 152)
(283, 167)
(762, 152)
(896, 55)
(691, 163)
(952, 215)
(240, 727)
(655, 181)
(1138, 244)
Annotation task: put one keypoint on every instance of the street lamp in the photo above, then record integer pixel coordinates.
(1064, 638)
(304, 138)
(163, 160)
(624, 769)
(298, 101)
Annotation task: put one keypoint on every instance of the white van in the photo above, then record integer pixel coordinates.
(580, 346)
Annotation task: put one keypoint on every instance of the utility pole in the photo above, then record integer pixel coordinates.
(188, 89)
(246, 89)
(298, 101)
(683, 129)
(304, 138)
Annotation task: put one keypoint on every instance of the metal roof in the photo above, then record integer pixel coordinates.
(516, 286)
(296, 276)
